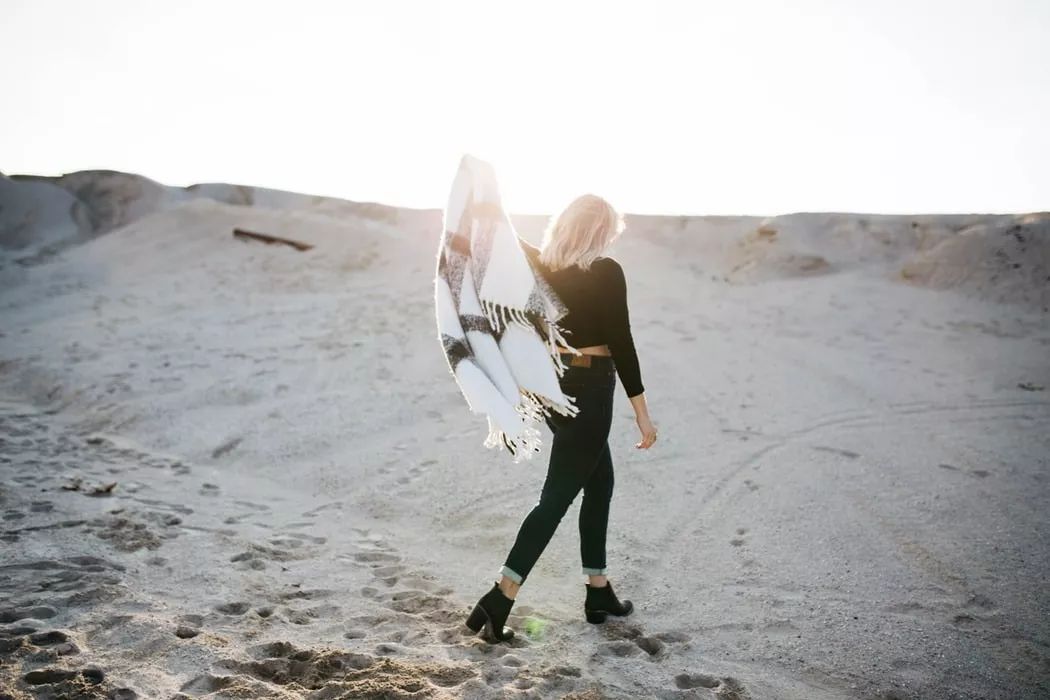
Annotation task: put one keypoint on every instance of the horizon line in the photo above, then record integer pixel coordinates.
(33, 176)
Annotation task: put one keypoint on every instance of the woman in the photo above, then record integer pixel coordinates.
(594, 290)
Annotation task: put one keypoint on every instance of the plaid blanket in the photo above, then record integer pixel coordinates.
(496, 316)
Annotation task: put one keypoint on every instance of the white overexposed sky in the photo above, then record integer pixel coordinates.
(719, 107)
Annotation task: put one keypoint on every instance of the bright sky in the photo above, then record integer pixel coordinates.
(716, 107)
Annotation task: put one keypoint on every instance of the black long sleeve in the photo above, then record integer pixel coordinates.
(597, 303)
(618, 329)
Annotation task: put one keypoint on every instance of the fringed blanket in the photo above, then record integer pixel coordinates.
(497, 317)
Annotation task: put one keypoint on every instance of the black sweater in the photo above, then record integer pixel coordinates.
(597, 303)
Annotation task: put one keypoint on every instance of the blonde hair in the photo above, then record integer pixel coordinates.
(581, 233)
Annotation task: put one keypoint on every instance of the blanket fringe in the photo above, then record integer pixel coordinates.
(555, 336)
(522, 447)
(532, 408)
(566, 410)
(500, 316)
(535, 406)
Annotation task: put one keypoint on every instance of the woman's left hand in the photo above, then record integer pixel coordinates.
(648, 432)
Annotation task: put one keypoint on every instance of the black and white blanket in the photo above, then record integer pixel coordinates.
(497, 316)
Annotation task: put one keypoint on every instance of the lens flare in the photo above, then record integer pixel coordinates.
(535, 627)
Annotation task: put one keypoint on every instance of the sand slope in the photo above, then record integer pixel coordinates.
(238, 470)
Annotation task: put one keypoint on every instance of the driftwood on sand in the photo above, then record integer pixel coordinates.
(267, 238)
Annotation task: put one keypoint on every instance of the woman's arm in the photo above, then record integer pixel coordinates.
(625, 357)
(645, 423)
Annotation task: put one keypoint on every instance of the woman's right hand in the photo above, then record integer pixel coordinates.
(645, 425)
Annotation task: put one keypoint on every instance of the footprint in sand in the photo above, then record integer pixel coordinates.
(376, 559)
(388, 572)
(226, 447)
(973, 611)
(416, 602)
(39, 612)
(50, 676)
(335, 505)
(253, 506)
(331, 672)
(38, 645)
(620, 649)
(249, 560)
(256, 556)
(50, 638)
(86, 682)
(130, 531)
(412, 474)
(630, 640)
(726, 687)
(306, 594)
(413, 594)
(64, 582)
(234, 608)
(111, 449)
(687, 681)
(41, 506)
(310, 615)
(978, 473)
(208, 684)
(837, 451)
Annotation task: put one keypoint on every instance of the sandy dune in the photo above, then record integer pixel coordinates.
(232, 469)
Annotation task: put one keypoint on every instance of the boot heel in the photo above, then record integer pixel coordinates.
(477, 619)
(596, 617)
(602, 601)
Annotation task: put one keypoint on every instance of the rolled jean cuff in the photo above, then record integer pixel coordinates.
(511, 574)
(594, 572)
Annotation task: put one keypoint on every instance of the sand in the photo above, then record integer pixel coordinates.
(232, 469)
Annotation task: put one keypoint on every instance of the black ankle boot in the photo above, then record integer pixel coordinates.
(602, 602)
(491, 613)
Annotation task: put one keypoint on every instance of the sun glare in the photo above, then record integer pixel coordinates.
(747, 107)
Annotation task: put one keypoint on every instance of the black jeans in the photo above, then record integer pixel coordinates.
(580, 460)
